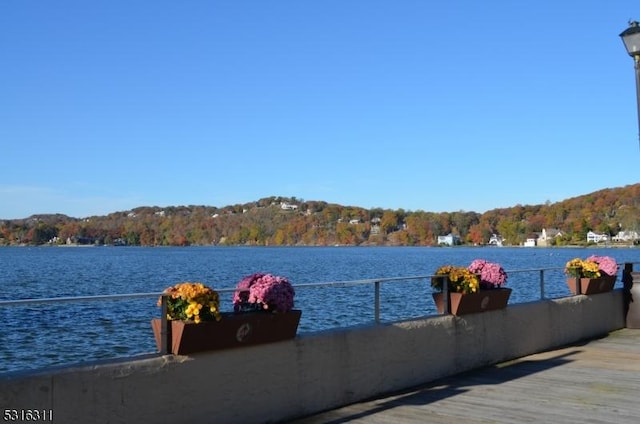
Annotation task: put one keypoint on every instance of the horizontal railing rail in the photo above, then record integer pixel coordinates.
(337, 284)
(77, 299)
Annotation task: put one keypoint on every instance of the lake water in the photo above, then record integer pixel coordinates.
(41, 335)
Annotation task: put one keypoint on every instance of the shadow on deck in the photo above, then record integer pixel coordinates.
(594, 381)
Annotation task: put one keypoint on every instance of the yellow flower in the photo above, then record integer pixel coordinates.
(591, 269)
(579, 268)
(189, 311)
(186, 301)
(460, 279)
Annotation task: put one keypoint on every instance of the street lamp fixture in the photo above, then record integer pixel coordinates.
(631, 40)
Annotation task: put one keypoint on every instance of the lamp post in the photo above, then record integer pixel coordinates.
(631, 40)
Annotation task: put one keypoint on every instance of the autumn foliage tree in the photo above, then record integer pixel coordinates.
(266, 223)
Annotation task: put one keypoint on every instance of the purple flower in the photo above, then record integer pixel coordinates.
(265, 292)
(492, 275)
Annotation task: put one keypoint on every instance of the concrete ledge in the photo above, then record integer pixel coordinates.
(311, 373)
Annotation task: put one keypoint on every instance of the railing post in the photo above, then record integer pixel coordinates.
(627, 284)
(578, 286)
(627, 279)
(542, 284)
(377, 302)
(445, 296)
(165, 332)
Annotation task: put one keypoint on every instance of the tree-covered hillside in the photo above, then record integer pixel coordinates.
(278, 221)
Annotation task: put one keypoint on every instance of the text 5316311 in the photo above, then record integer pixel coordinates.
(27, 415)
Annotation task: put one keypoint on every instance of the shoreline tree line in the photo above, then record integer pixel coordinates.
(288, 221)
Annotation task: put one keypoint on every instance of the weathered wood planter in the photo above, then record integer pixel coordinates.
(232, 331)
(591, 285)
(470, 303)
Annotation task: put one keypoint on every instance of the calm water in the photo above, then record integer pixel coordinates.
(42, 335)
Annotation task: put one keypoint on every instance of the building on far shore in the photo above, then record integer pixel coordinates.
(496, 240)
(546, 236)
(449, 239)
(623, 236)
(596, 238)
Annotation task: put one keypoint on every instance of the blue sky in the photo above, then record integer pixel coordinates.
(421, 105)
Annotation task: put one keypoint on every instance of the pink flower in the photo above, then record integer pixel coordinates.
(477, 265)
(492, 275)
(606, 264)
(263, 292)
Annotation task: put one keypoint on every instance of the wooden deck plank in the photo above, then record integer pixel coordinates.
(592, 382)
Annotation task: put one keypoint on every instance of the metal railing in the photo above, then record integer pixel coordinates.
(628, 268)
(376, 282)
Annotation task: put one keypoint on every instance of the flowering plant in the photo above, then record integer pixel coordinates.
(192, 302)
(579, 268)
(263, 292)
(460, 279)
(606, 264)
(492, 275)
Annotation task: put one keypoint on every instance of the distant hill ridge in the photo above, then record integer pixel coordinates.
(277, 220)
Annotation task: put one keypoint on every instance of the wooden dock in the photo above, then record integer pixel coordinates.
(597, 381)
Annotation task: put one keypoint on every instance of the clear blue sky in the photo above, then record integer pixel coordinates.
(422, 105)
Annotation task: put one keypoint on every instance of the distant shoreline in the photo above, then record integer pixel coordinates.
(364, 245)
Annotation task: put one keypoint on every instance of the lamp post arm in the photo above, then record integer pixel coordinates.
(636, 60)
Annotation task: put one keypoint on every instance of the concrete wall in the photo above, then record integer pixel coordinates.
(312, 373)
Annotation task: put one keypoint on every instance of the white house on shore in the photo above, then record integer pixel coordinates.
(626, 236)
(496, 240)
(449, 239)
(596, 238)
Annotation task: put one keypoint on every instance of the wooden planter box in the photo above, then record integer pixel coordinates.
(233, 330)
(591, 285)
(471, 303)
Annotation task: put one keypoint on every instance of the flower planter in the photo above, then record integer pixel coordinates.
(233, 330)
(591, 285)
(470, 303)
